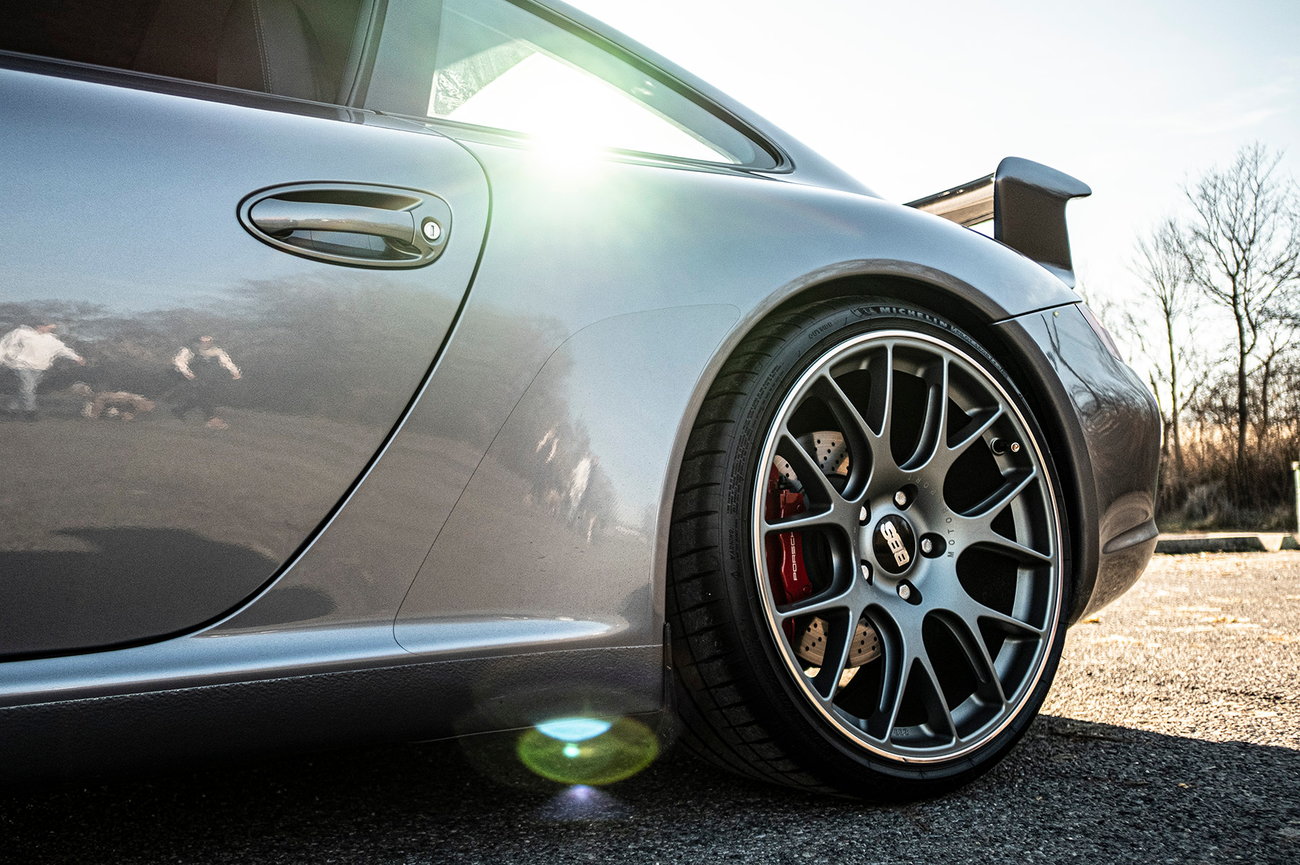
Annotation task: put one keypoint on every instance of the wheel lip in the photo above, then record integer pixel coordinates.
(1025, 688)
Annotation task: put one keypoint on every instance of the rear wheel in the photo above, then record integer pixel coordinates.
(867, 578)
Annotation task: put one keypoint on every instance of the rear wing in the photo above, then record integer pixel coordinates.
(1026, 201)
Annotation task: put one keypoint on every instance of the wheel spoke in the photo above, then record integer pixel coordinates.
(1021, 553)
(980, 531)
(857, 433)
(1014, 483)
(880, 412)
(839, 638)
(819, 603)
(972, 612)
(934, 426)
(935, 703)
(816, 485)
(898, 664)
(808, 520)
(971, 433)
(972, 643)
(874, 429)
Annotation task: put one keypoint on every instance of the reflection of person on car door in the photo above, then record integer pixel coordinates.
(204, 368)
(30, 352)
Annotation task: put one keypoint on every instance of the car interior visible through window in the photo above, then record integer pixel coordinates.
(226, 42)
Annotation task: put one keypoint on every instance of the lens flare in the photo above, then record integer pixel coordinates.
(582, 804)
(574, 729)
(579, 751)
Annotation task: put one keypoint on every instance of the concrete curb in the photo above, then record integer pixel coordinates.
(1227, 542)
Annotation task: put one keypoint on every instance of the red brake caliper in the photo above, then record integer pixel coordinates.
(785, 549)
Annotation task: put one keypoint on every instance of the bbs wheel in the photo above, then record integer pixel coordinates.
(867, 561)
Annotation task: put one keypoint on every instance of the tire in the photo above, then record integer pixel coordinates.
(895, 638)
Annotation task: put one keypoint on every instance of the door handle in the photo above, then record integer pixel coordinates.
(347, 223)
(279, 217)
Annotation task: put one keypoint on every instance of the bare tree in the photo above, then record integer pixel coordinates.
(1278, 347)
(1241, 248)
(1179, 365)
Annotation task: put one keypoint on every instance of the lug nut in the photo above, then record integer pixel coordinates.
(866, 571)
(932, 545)
(904, 591)
(900, 499)
(863, 516)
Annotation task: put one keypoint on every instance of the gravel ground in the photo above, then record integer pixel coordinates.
(1172, 735)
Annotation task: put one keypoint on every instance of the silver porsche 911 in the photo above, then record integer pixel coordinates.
(397, 370)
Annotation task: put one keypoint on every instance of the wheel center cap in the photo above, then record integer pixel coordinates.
(894, 543)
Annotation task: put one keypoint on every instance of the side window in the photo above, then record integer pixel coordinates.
(286, 47)
(497, 65)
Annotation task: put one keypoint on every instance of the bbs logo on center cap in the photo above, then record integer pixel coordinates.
(894, 543)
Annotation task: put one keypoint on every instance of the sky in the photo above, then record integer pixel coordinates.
(1134, 98)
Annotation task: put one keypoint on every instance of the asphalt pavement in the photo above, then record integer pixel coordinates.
(1172, 735)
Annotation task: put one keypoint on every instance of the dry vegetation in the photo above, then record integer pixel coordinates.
(1217, 325)
(1204, 495)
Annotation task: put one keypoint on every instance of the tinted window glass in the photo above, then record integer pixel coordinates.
(296, 48)
(496, 65)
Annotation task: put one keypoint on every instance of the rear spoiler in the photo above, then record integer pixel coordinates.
(1026, 202)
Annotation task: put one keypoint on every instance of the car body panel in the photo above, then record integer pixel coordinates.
(1111, 419)
(569, 492)
(625, 248)
(126, 531)
(59, 731)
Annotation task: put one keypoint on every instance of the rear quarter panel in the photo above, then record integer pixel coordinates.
(609, 293)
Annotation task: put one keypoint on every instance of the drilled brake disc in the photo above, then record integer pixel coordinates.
(829, 449)
(832, 454)
(812, 644)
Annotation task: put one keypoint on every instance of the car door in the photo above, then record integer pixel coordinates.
(618, 193)
(216, 306)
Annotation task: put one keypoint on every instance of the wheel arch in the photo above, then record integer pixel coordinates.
(979, 313)
(714, 517)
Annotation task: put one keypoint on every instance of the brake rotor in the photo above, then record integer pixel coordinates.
(827, 447)
(831, 452)
(864, 649)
